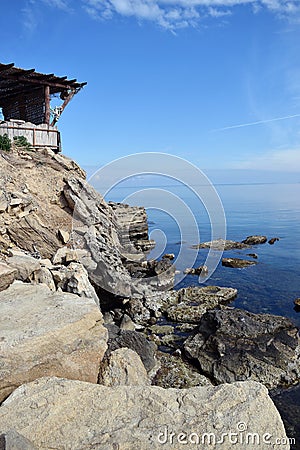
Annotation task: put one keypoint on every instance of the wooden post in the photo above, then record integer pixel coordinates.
(47, 105)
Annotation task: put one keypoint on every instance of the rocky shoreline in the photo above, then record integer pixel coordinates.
(85, 317)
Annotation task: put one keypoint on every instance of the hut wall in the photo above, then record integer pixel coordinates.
(37, 135)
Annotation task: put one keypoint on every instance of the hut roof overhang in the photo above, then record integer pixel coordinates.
(25, 94)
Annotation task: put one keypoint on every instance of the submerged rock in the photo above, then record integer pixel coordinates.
(66, 414)
(236, 345)
(237, 263)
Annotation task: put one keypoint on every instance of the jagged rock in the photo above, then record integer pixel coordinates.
(134, 340)
(195, 301)
(7, 276)
(24, 264)
(66, 414)
(273, 240)
(137, 311)
(255, 240)
(64, 236)
(235, 345)
(48, 333)
(127, 323)
(123, 367)
(222, 244)
(74, 278)
(175, 373)
(3, 203)
(201, 270)
(44, 276)
(101, 238)
(237, 263)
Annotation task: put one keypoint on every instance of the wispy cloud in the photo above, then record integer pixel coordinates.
(258, 122)
(174, 14)
(280, 160)
(30, 13)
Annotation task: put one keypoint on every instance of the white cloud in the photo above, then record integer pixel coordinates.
(279, 160)
(173, 14)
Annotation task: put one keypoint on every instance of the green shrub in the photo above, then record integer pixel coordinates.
(21, 141)
(5, 143)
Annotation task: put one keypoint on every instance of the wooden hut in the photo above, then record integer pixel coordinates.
(25, 100)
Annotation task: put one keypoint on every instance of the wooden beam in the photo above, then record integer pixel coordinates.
(47, 105)
(6, 67)
(70, 96)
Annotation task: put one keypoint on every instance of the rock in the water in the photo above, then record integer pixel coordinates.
(170, 256)
(123, 367)
(175, 373)
(48, 333)
(255, 240)
(195, 301)
(221, 244)
(236, 345)
(297, 301)
(66, 414)
(253, 255)
(135, 341)
(237, 263)
(201, 270)
(273, 240)
(7, 275)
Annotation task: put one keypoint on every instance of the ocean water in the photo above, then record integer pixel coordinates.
(273, 210)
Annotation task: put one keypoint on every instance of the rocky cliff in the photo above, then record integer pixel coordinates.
(82, 310)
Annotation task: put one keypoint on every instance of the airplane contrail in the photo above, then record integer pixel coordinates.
(249, 124)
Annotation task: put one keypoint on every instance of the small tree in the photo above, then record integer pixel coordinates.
(5, 143)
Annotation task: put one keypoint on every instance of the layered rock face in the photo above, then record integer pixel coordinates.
(45, 200)
(64, 414)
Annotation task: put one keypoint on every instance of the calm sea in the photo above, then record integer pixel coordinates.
(264, 209)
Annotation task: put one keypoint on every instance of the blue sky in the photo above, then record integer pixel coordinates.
(176, 76)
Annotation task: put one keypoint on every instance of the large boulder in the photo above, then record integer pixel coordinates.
(123, 367)
(7, 276)
(236, 345)
(65, 414)
(48, 333)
